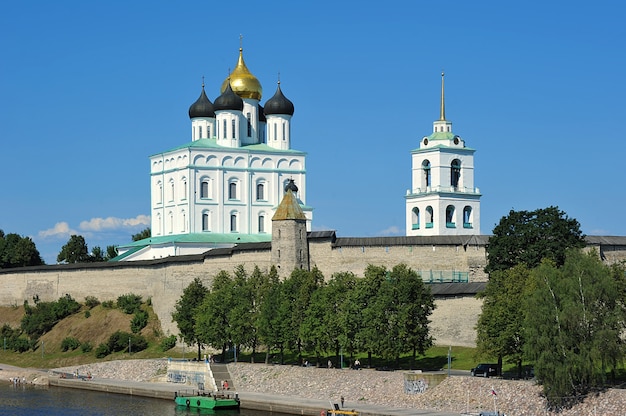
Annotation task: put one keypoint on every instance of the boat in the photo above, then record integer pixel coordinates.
(336, 411)
(202, 400)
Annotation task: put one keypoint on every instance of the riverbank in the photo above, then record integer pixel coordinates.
(360, 388)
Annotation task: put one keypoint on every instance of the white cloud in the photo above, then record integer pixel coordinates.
(60, 229)
(112, 223)
(393, 230)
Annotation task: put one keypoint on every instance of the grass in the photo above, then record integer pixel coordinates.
(98, 325)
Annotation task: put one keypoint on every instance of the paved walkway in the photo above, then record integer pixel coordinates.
(249, 400)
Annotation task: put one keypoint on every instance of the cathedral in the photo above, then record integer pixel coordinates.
(223, 187)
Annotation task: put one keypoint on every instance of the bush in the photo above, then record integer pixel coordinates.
(40, 319)
(86, 347)
(120, 341)
(168, 343)
(102, 350)
(20, 344)
(91, 301)
(139, 321)
(69, 343)
(87, 314)
(108, 304)
(129, 303)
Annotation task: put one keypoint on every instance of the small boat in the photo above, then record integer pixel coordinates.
(336, 411)
(211, 401)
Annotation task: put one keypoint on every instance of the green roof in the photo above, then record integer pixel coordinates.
(203, 238)
(212, 144)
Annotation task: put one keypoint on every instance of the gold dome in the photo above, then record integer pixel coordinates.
(243, 83)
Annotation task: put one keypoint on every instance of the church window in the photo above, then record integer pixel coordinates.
(184, 190)
(426, 168)
(160, 195)
(455, 173)
(249, 125)
(204, 189)
(183, 224)
(260, 192)
(467, 217)
(450, 217)
(170, 220)
(429, 217)
(205, 221)
(224, 130)
(208, 131)
(232, 127)
(200, 132)
(275, 131)
(415, 218)
(284, 132)
(232, 190)
(233, 223)
(261, 223)
(171, 190)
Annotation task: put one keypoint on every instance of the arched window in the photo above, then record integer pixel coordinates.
(249, 124)
(205, 221)
(170, 225)
(200, 132)
(467, 217)
(204, 189)
(455, 173)
(261, 223)
(233, 223)
(275, 129)
(284, 132)
(184, 196)
(450, 217)
(426, 169)
(260, 192)
(429, 217)
(415, 218)
(171, 190)
(160, 195)
(232, 190)
(232, 126)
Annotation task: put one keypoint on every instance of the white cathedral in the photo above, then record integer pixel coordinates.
(223, 187)
(442, 200)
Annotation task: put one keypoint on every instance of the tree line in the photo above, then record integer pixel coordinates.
(552, 305)
(384, 313)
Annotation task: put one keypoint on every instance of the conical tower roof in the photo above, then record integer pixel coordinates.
(289, 208)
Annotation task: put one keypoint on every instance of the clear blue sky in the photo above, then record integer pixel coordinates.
(89, 90)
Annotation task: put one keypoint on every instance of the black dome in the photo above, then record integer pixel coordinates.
(291, 185)
(279, 104)
(228, 101)
(202, 107)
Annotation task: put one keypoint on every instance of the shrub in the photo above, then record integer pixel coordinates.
(139, 321)
(69, 343)
(40, 319)
(129, 303)
(108, 304)
(102, 350)
(87, 314)
(120, 341)
(168, 343)
(20, 344)
(86, 347)
(91, 301)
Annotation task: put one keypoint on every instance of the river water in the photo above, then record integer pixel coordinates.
(57, 401)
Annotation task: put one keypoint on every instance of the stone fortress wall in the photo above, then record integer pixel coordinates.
(163, 280)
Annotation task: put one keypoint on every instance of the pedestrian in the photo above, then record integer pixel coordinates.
(357, 364)
(330, 364)
(342, 399)
(225, 384)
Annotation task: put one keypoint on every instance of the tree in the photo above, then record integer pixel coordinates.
(185, 312)
(111, 252)
(574, 320)
(16, 251)
(74, 251)
(146, 233)
(274, 316)
(212, 316)
(529, 236)
(97, 255)
(501, 323)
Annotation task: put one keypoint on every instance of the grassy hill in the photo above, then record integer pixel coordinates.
(93, 325)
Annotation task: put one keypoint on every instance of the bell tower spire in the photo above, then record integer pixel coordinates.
(442, 113)
(442, 125)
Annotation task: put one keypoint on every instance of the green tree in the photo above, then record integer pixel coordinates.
(212, 316)
(529, 236)
(16, 251)
(274, 316)
(97, 255)
(185, 312)
(111, 252)
(240, 311)
(573, 323)
(499, 331)
(368, 298)
(145, 233)
(74, 251)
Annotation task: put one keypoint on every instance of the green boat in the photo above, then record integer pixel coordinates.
(213, 401)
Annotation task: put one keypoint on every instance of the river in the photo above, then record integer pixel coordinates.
(56, 401)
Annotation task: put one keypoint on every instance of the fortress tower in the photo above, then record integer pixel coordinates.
(442, 199)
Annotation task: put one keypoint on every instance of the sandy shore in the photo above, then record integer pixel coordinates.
(455, 394)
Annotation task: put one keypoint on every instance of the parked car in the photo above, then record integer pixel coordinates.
(485, 370)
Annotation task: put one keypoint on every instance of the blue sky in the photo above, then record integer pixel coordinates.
(89, 90)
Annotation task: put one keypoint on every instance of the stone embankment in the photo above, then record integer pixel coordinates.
(455, 394)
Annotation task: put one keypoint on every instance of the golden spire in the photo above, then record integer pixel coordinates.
(442, 114)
